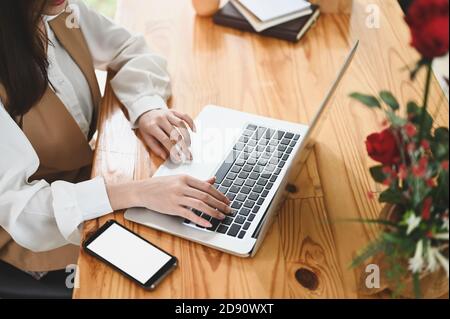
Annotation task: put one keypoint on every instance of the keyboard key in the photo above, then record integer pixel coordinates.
(246, 226)
(296, 137)
(243, 175)
(289, 135)
(278, 154)
(262, 162)
(266, 175)
(227, 183)
(241, 234)
(252, 143)
(234, 230)
(227, 221)
(222, 229)
(251, 217)
(282, 148)
(231, 196)
(281, 164)
(274, 142)
(274, 161)
(260, 201)
(236, 205)
(250, 183)
(197, 212)
(269, 186)
(293, 143)
(251, 127)
(262, 182)
(244, 139)
(227, 164)
(215, 224)
(258, 168)
(277, 171)
(256, 209)
(240, 162)
(246, 190)
(285, 157)
(253, 196)
(249, 204)
(258, 189)
(273, 178)
(252, 161)
(285, 141)
(270, 168)
(247, 168)
(206, 216)
(239, 182)
(234, 189)
(263, 141)
(236, 169)
(223, 190)
(266, 155)
(244, 212)
(289, 150)
(260, 132)
(269, 133)
(254, 176)
(265, 193)
(231, 175)
(279, 135)
(241, 197)
(260, 148)
(247, 133)
(239, 219)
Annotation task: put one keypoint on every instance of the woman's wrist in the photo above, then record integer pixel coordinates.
(123, 195)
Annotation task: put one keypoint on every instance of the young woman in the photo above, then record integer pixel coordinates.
(49, 101)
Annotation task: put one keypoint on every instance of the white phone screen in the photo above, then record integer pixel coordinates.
(129, 253)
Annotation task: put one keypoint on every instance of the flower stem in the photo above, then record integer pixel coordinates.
(425, 101)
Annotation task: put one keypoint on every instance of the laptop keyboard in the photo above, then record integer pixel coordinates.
(248, 174)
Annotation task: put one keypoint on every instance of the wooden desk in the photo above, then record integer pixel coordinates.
(212, 64)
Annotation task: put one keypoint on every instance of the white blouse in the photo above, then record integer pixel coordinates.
(42, 217)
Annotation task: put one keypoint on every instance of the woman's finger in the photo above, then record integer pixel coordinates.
(208, 199)
(155, 146)
(181, 127)
(207, 188)
(189, 215)
(162, 138)
(187, 119)
(202, 207)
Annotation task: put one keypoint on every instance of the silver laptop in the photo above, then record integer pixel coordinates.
(253, 158)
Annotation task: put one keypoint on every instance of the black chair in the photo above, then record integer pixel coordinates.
(15, 284)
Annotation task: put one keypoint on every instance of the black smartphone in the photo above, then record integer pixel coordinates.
(130, 254)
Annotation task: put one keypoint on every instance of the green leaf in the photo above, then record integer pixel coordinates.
(392, 196)
(368, 100)
(441, 135)
(371, 250)
(390, 100)
(415, 113)
(377, 174)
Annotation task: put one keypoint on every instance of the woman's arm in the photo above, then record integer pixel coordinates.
(142, 82)
(39, 216)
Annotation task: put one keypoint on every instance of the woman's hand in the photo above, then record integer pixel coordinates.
(173, 195)
(163, 130)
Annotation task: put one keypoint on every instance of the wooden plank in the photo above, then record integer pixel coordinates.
(212, 64)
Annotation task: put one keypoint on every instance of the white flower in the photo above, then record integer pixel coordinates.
(431, 259)
(416, 263)
(443, 261)
(445, 226)
(442, 236)
(413, 222)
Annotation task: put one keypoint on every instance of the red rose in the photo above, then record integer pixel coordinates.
(428, 21)
(382, 147)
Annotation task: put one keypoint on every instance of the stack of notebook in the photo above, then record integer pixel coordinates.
(284, 19)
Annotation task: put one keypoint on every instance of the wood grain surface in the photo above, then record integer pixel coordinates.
(212, 64)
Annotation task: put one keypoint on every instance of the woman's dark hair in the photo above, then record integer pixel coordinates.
(23, 54)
